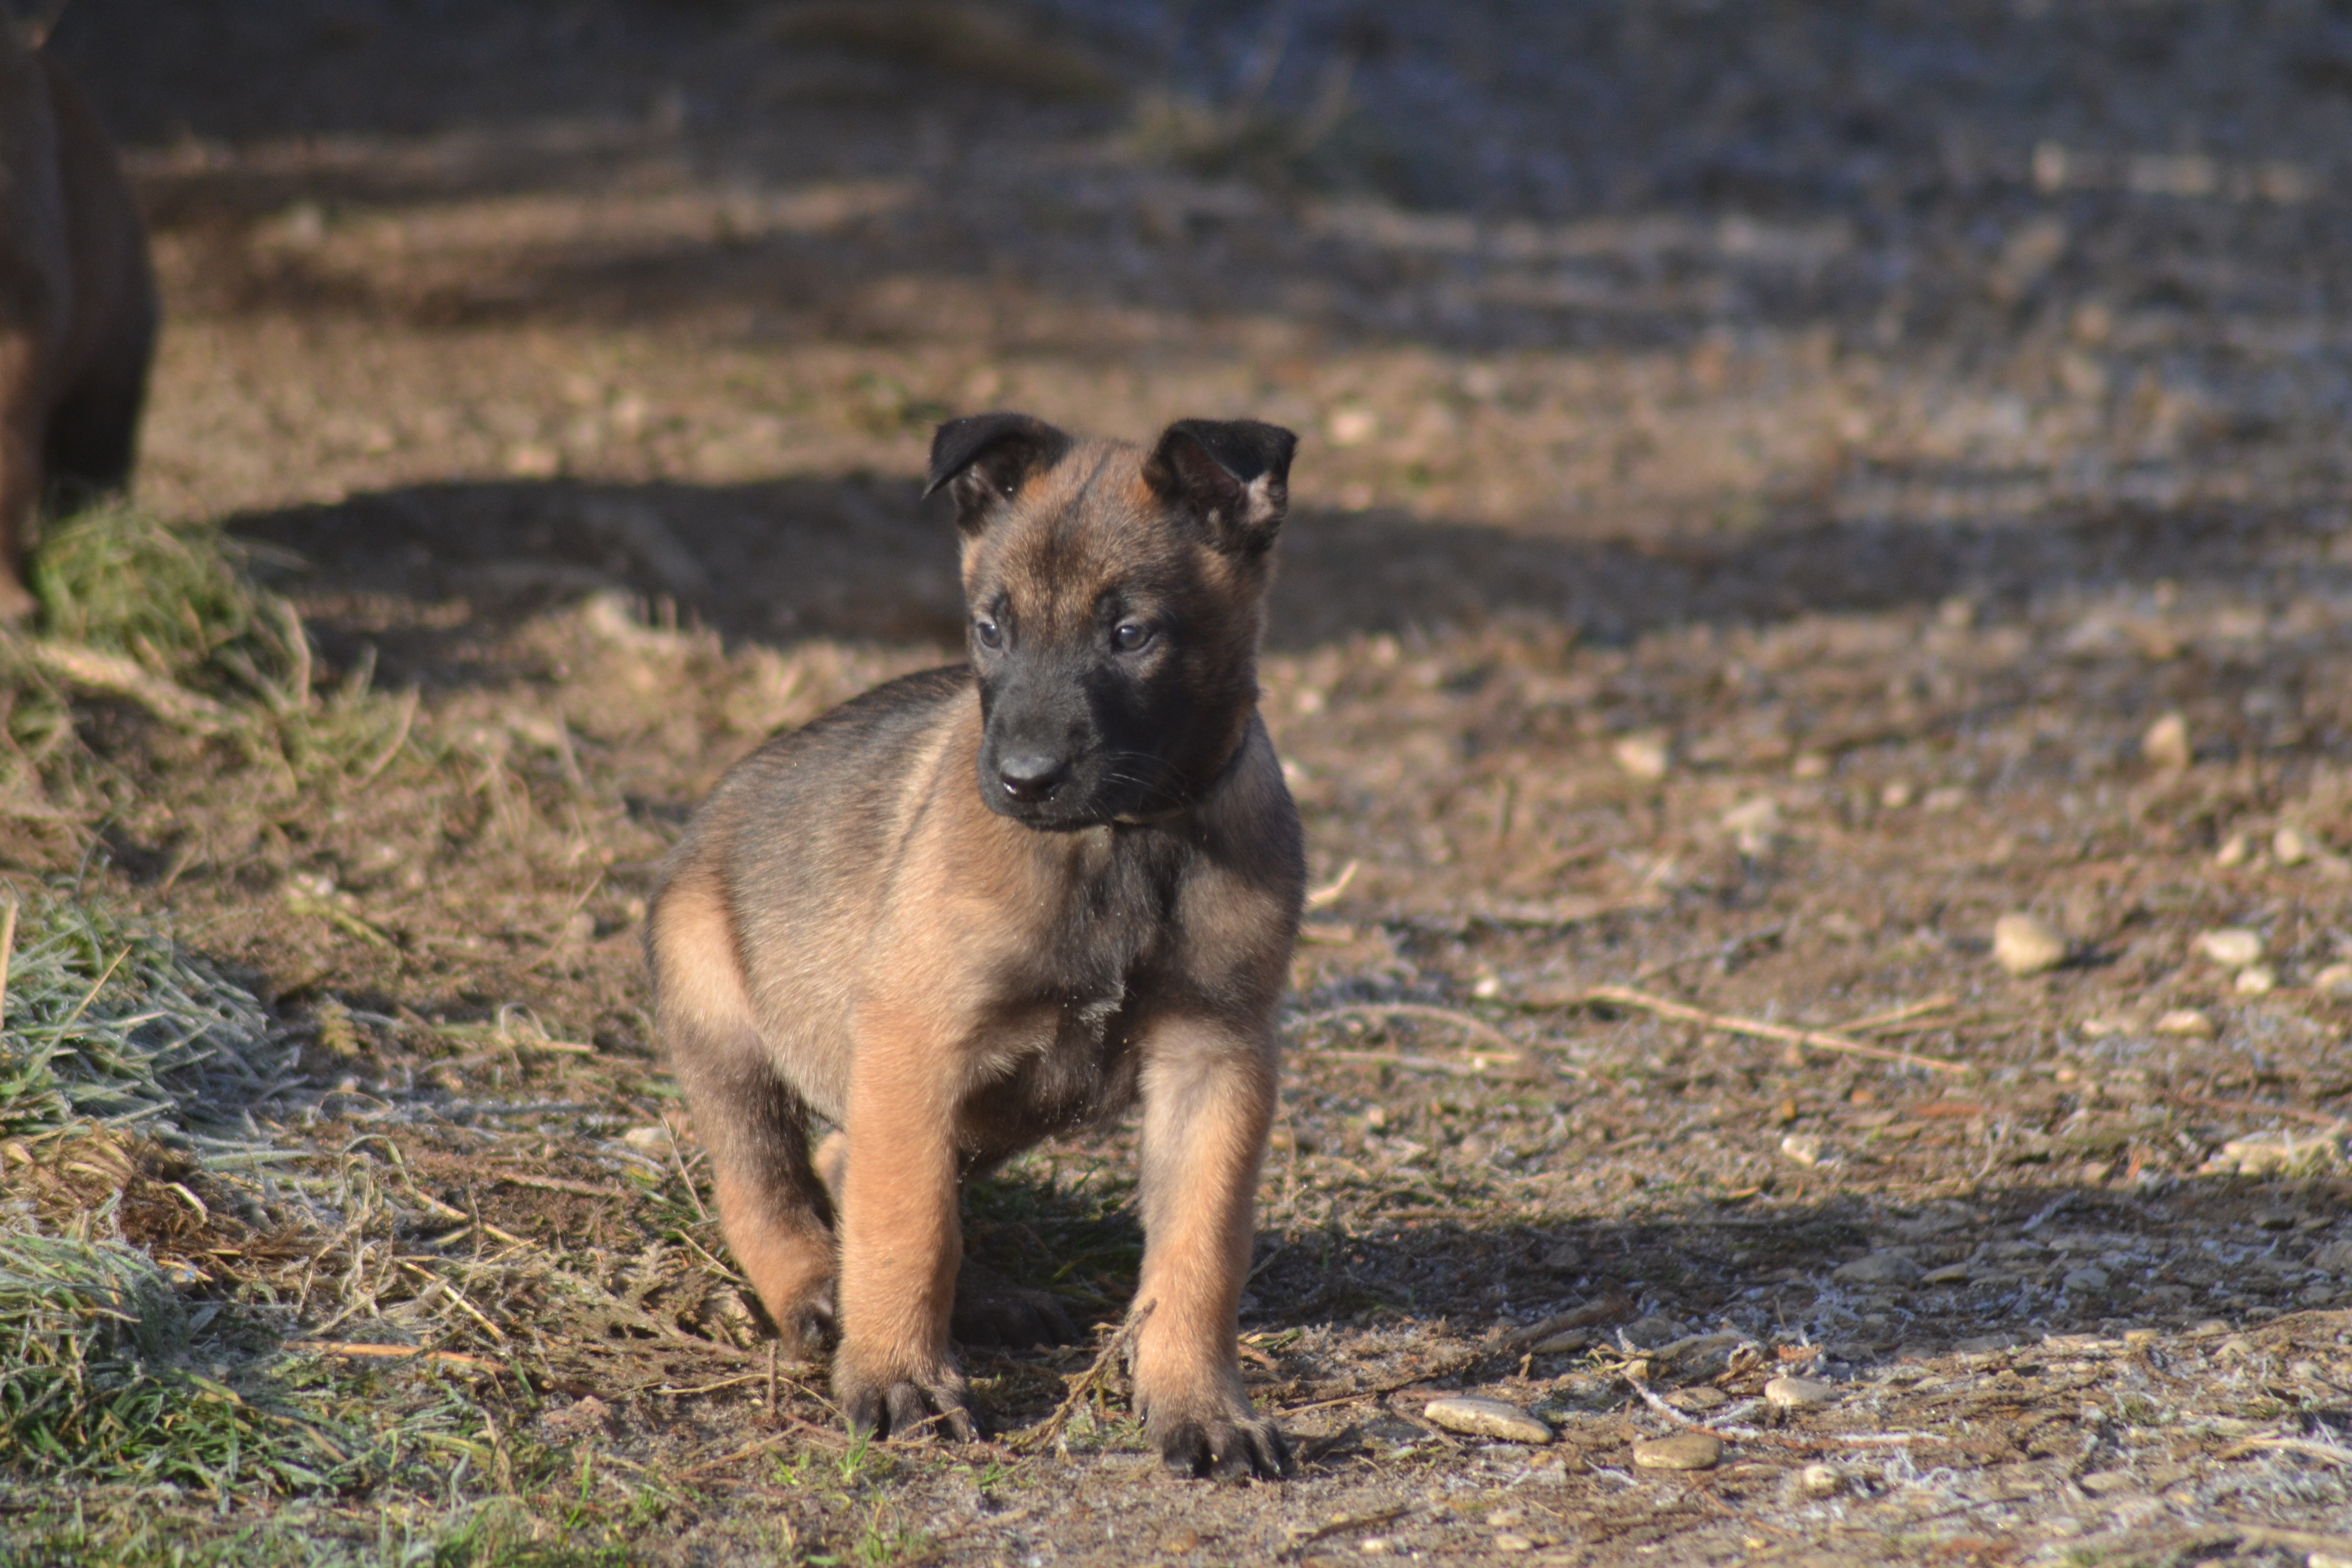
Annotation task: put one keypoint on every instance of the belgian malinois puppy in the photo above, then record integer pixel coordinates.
(985, 904)
(76, 302)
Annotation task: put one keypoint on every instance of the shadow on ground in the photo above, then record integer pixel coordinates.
(863, 558)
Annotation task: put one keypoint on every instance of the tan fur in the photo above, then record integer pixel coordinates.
(882, 953)
(77, 303)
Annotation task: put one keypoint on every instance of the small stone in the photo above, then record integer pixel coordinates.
(1564, 1257)
(1701, 1397)
(1478, 1417)
(2256, 980)
(2166, 744)
(2106, 1483)
(1178, 1542)
(1805, 1149)
(1896, 795)
(2086, 1280)
(1646, 756)
(1878, 1268)
(2186, 1021)
(1984, 1344)
(1656, 1329)
(2236, 850)
(2273, 1153)
(652, 1140)
(2275, 1219)
(2336, 1258)
(2293, 846)
(1754, 824)
(1949, 1273)
(2024, 945)
(1568, 1342)
(1946, 797)
(1820, 1481)
(1681, 1451)
(2335, 980)
(1809, 765)
(2232, 947)
(1514, 1543)
(1798, 1393)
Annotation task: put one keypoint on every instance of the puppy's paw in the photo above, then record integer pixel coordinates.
(1225, 1447)
(990, 1309)
(904, 1403)
(808, 1325)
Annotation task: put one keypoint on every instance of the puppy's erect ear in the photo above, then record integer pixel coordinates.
(983, 460)
(1233, 473)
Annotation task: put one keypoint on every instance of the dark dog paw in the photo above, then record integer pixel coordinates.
(908, 1405)
(992, 1310)
(1226, 1449)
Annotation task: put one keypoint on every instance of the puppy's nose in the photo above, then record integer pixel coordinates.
(1031, 776)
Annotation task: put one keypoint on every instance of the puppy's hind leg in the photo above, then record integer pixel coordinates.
(772, 1209)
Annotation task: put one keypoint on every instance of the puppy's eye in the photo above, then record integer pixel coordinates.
(990, 634)
(1128, 635)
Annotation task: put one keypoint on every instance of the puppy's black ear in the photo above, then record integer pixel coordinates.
(983, 460)
(1233, 473)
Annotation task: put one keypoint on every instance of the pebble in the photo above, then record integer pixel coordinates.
(1798, 1393)
(2335, 979)
(1949, 1273)
(1754, 823)
(2336, 1258)
(1878, 1268)
(1805, 1149)
(2186, 1021)
(1514, 1543)
(2272, 1154)
(2086, 1280)
(2232, 947)
(2256, 980)
(2236, 850)
(2167, 743)
(1896, 795)
(2024, 945)
(1644, 756)
(2293, 846)
(1479, 1417)
(1820, 1481)
(1681, 1451)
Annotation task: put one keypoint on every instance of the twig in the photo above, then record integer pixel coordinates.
(1732, 1024)
(1476, 1027)
(394, 1352)
(8, 948)
(456, 1297)
(111, 675)
(558, 1185)
(2334, 1453)
(408, 700)
(1328, 893)
(1892, 1016)
(678, 1158)
(1091, 1379)
(1459, 1364)
(1475, 1068)
(1782, 1439)
(735, 1382)
(2256, 1108)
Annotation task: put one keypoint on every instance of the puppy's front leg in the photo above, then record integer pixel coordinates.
(900, 1239)
(1208, 1099)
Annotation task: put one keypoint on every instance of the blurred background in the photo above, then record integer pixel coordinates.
(1702, 276)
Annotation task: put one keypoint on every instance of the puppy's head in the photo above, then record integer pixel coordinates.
(1116, 594)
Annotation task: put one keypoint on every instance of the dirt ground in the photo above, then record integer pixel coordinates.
(1769, 473)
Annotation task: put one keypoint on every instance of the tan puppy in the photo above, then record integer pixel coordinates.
(988, 903)
(77, 303)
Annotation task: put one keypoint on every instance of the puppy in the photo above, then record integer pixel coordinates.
(988, 903)
(77, 303)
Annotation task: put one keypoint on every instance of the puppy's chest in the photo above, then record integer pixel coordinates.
(1066, 1051)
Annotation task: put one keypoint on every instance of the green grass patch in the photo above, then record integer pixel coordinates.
(108, 1022)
